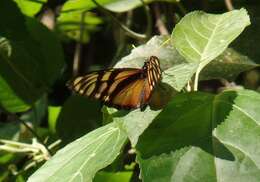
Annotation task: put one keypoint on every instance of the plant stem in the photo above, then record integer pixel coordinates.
(196, 80)
(229, 5)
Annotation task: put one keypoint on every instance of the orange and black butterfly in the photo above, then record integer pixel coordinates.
(122, 88)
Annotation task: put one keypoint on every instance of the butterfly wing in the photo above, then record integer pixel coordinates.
(123, 88)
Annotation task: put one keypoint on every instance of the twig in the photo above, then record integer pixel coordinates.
(159, 23)
(125, 28)
(229, 5)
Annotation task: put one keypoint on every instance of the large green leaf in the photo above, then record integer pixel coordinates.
(201, 37)
(29, 65)
(221, 143)
(29, 7)
(81, 159)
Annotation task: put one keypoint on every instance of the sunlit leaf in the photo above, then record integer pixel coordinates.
(201, 37)
(30, 7)
(81, 159)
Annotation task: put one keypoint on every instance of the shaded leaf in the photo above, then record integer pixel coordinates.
(83, 112)
(228, 65)
(81, 159)
(26, 71)
(37, 112)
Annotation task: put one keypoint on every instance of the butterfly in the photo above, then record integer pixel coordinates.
(122, 88)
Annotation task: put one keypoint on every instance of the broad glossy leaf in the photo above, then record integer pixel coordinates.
(81, 159)
(221, 143)
(26, 70)
(201, 37)
(29, 7)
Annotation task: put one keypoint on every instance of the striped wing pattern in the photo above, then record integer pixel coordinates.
(122, 88)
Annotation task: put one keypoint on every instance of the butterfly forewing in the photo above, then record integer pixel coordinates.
(123, 88)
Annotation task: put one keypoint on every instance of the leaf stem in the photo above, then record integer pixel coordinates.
(196, 80)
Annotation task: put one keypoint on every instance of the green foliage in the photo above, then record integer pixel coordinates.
(188, 136)
(212, 146)
(81, 159)
(29, 7)
(25, 69)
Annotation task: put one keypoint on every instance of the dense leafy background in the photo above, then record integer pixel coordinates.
(208, 135)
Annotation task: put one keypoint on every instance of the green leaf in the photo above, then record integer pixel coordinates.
(120, 6)
(53, 113)
(29, 7)
(113, 177)
(178, 76)
(221, 143)
(201, 37)
(37, 113)
(81, 159)
(51, 49)
(26, 70)
(135, 122)
(85, 113)
(158, 46)
(10, 131)
(69, 24)
(228, 65)
(9, 99)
